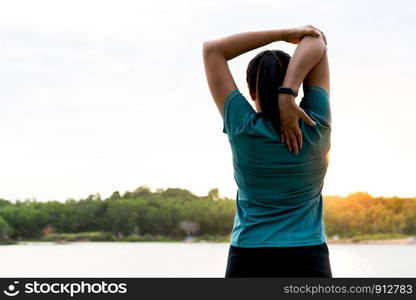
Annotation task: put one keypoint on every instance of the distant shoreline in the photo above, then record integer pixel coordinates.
(343, 241)
(99, 236)
(398, 241)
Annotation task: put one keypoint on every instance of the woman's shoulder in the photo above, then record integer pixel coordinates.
(316, 101)
(237, 111)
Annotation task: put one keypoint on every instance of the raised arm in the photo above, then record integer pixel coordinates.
(306, 65)
(307, 55)
(216, 53)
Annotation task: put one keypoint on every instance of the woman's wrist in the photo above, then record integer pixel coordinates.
(282, 35)
(274, 35)
(285, 34)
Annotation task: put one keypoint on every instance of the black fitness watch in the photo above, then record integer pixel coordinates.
(287, 90)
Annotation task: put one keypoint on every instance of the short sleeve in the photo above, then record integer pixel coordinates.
(236, 112)
(316, 99)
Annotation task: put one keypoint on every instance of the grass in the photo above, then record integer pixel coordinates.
(8, 242)
(106, 237)
(149, 238)
(81, 236)
(109, 237)
(381, 236)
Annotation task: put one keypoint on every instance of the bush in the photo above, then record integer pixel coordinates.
(146, 238)
(81, 236)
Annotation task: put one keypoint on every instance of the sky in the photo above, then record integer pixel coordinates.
(103, 96)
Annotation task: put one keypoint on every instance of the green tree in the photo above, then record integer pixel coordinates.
(4, 229)
(115, 195)
(214, 194)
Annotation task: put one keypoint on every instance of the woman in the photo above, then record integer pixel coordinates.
(279, 152)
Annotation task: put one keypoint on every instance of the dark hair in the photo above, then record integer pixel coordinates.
(265, 73)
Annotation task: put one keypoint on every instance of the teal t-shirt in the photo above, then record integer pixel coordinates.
(279, 201)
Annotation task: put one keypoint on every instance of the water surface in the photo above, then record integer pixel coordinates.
(153, 259)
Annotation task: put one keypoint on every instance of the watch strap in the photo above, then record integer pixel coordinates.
(287, 90)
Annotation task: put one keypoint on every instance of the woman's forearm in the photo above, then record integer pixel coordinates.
(237, 44)
(307, 54)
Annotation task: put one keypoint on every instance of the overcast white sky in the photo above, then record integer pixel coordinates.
(98, 96)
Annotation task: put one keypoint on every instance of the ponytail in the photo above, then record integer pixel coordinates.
(265, 74)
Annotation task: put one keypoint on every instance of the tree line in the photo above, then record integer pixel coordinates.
(176, 213)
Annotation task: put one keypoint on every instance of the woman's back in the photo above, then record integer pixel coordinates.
(278, 229)
(279, 201)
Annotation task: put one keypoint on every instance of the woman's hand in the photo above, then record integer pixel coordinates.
(295, 35)
(290, 113)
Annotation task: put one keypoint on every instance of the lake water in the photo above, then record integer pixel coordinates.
(182, 260)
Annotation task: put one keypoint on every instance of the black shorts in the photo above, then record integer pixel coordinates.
(303, 261)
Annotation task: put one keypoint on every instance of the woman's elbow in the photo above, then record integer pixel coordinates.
(316, 42)
(315, 45)
(209, 47)
(206, 47)
(322, 43)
